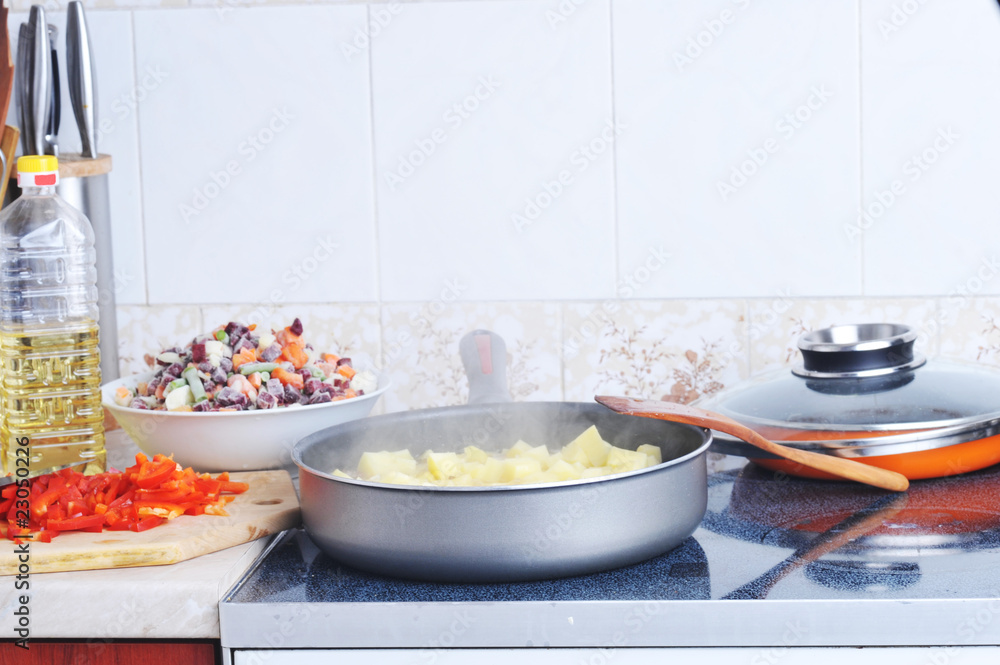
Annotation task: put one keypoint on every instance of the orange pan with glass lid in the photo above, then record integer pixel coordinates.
(863, 392)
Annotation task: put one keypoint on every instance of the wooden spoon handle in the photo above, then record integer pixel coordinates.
(682, 413)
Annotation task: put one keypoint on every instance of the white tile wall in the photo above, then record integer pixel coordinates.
(480, 112)
(256, 156)
(930, 103)
(688, 87)
(740, 148)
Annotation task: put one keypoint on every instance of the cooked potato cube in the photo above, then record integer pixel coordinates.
(593, 446)
(587, 456)
(651, 451)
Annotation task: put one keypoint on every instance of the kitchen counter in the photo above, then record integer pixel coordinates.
(177, 601)
(777, 563)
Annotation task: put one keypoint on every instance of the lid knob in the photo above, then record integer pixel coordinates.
(858, 350)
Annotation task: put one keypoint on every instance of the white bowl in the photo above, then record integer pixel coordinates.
(231, 440)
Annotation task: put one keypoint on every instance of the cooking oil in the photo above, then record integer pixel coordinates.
(51, 383)
(49, 359)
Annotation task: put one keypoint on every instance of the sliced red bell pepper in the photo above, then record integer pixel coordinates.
(76, 523)
(152, 474)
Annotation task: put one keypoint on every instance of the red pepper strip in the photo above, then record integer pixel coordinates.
(147, 523)
(76, 523)
(40, 504)
(208, 486)
(235, 488)
(56, 512)
(5, 506)
(9, 491)
(112, 492)
(152, 474)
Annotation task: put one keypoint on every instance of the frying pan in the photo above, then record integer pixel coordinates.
(863, 392)
(505, 533)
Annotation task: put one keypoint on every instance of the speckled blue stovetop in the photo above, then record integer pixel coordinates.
(762, 538)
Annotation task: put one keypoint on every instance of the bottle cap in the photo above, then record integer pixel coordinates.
(37, 171)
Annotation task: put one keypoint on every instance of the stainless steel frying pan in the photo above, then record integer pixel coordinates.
(497, 534)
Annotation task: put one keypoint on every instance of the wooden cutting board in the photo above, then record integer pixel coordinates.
(269, 506)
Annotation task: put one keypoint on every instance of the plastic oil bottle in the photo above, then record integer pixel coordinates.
(49, 360)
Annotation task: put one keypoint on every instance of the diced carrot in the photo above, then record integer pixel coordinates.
(288, 378)
(331, 358)
(245, 355)
(252, 326)
(350, 393)
(295, 354)
(255, 380)
(159, 391)
(141, 388)
(346, 371)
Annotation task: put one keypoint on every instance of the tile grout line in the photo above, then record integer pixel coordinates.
(614, 149)
(861, 145)
(138, 149)
(374, 182)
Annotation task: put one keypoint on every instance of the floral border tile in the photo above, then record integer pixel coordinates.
(774, 326)
(970, 329)
(677, 350)
(144, 330)
(420, 343)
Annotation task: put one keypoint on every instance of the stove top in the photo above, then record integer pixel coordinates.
(770, 550)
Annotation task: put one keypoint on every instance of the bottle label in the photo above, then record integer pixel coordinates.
(43, 179)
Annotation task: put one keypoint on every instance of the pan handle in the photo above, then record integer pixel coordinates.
(484, 355)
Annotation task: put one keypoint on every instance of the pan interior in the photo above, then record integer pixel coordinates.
(492, 427)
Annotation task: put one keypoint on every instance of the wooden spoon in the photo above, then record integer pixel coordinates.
(681, 413)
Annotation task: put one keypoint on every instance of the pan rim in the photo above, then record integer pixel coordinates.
(305, 468)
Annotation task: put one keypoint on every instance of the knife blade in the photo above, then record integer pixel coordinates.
(11, 479)
(52, 124)
(22, 80)
(81, 76)
(41, 70)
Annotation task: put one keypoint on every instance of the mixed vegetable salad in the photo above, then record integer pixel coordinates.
(235, 368)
